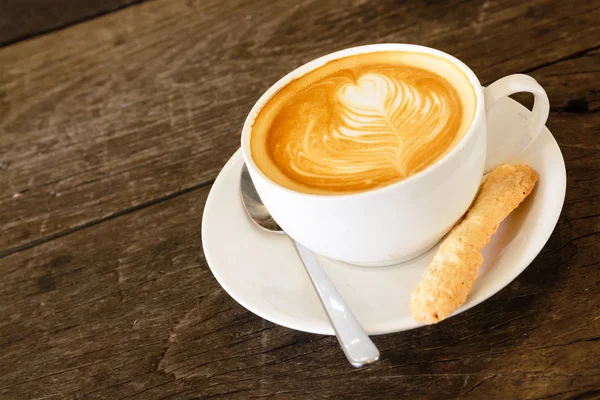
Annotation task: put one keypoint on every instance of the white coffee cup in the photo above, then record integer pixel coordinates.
(402, 220)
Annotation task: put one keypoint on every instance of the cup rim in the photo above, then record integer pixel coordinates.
(363, 49)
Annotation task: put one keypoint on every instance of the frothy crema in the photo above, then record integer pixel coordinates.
(362, 122)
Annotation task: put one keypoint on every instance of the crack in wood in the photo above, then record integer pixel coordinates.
(584, 340)
(568, 242)
(572, 56)
(563, 393)
(584, 217)
(141, 206)
(481, 383)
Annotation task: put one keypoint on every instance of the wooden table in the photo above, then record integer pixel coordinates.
(115, 118)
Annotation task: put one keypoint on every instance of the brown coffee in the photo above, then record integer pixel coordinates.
(362, 122)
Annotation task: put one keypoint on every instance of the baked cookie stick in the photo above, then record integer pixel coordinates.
(449, 277)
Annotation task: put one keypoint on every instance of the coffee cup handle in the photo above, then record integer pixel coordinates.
(502, 149)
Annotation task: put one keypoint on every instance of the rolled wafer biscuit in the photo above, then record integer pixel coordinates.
(449, 277)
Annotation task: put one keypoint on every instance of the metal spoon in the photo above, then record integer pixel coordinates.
(357, 346)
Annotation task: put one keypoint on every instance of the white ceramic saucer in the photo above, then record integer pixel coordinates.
(263, 273)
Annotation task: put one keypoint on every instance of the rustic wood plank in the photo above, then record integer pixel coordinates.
(23, 19)
(148, 102)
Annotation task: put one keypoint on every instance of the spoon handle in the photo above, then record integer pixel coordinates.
(357, 346)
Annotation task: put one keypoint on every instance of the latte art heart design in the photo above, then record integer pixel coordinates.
(364, 130)
(394, 117)
(370, 94)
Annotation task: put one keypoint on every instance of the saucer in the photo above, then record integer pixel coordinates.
(263, 273)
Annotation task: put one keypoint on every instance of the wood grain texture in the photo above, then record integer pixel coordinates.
(108, 149)
(149, 101)
(22, 19)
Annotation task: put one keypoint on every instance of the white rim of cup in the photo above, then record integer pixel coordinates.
(370, 48)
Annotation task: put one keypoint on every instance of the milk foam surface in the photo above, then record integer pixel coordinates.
(362, 122)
